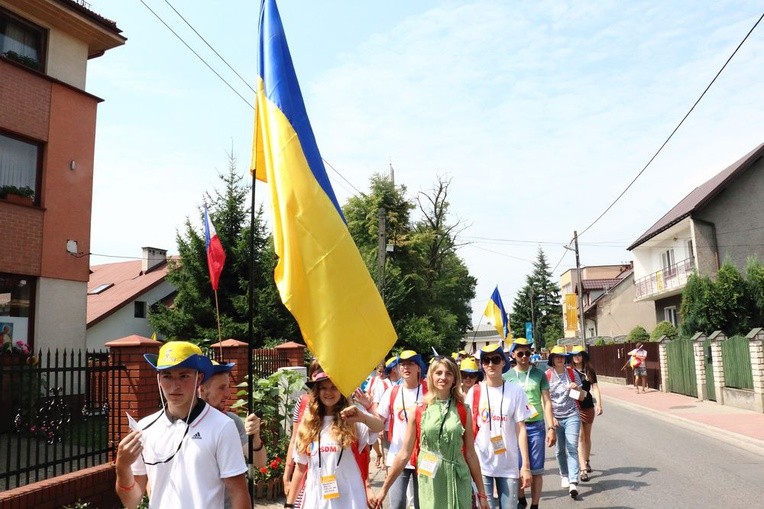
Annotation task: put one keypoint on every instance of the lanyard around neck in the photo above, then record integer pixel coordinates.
(319, 453)
(527, 375)
(501, 406)
(443, 419)
(403, 400)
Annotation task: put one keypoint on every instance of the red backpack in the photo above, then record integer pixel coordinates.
(460, 408)
(393, 395)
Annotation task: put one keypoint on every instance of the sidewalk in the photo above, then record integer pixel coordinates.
(743, 428)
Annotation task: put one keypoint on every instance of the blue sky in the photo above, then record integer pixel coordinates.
(540, 113)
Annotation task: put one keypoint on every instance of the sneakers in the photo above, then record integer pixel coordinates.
(564, 482)
(573, 490)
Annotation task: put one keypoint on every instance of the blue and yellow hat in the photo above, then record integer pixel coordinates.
(180, 354)
(557, 351)
(492, 349)
(411, 355)
(519, 341)
(218, 368)
(470, 365)
(579, 350)
(390, 364)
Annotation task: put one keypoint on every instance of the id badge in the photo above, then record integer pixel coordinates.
(532, 409)
(329, 488)
(497, 443)
(429, 463)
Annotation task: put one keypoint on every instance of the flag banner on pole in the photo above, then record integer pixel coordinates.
(494, 311)
(571, 311)
(215, 253)
(320, 274)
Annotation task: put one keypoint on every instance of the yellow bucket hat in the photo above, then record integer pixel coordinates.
(557, 350)
(180, 354)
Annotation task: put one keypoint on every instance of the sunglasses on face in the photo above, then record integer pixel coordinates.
(522, 353)
(494, 359)
(469, 375)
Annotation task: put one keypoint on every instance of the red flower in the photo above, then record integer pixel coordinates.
(274, 464)
(263, 470)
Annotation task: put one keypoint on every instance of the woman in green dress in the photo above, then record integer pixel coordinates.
(441, 437)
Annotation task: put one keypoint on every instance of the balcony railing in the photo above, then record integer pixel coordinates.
(666, 279)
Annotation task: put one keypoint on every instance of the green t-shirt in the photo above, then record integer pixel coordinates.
(533, 381)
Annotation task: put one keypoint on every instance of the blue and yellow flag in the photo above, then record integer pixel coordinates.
(320, 274)
(494, 310)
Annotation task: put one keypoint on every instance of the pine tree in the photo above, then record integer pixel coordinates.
(191, 314)
(547, 311)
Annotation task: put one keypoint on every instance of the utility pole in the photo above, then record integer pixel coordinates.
(533, 320)
(581, 320)
(381, 252)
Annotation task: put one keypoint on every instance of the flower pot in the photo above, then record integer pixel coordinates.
(271, 489)
(261, 488)
(19, 200)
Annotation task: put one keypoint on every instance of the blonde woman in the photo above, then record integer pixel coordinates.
(328, 449)
(440, 436)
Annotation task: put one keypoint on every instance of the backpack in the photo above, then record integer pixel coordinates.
(474, 408)
(393, 395)
(571, 376)
(460, 408)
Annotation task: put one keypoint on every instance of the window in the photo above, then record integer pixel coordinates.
(21, 41)
(16, 306)
(19, 163)
(667, 262)
(100, 288)
(690, 254)
(140, 309)
(669, 314)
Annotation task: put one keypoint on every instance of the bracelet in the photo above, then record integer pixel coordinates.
(483, 496)
(550, 428)
(262, 444)
(288, 505)
(126, 488)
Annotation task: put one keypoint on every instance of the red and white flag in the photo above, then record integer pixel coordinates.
(215, 253)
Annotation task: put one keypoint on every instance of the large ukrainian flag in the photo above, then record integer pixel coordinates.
(320, 274)
(494, 310)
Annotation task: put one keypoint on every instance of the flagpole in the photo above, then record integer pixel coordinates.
(475, 334)
(220, 335)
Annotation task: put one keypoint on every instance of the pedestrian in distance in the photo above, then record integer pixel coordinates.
(638, 361)
(439, 438)
(374, 391)
(331, 450)
(539, 426)
(590, 406)
(398, 407)
(566, 393)
(499, 409)
(471, 373)
(187, 454)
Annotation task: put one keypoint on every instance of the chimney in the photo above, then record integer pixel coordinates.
(152, 257)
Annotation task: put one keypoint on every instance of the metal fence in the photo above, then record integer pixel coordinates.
(54, 417)
(737, 363)
(681, 368)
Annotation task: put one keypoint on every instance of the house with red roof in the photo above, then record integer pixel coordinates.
(721, 219)
(121, 294)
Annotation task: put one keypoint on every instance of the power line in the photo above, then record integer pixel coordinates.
(209, 45)
(197, 55)
(675, 129)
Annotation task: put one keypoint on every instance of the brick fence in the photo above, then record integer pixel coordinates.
(136, 387)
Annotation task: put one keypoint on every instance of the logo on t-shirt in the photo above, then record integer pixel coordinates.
(196, 436)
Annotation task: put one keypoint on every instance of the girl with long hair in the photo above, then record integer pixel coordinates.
(441, 436)
(591, 405)
(330, 435)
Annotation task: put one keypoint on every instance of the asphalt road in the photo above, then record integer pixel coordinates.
(643, 462)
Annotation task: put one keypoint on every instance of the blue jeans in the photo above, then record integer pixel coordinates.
(505, 487)
(397, 491)
(567, 447)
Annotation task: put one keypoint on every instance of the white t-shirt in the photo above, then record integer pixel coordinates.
(345, 467)
(411, 398)
(193, 478)
(506, 410)
(379, 388)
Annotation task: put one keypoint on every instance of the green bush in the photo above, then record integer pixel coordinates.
(638, 334)
(600, 342)
(664, 329)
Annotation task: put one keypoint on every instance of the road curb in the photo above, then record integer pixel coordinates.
(744, 442)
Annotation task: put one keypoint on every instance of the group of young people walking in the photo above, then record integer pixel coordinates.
(456, 433)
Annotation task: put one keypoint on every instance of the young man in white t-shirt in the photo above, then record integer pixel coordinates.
(399, 404)
(499, 410)
(188, 453)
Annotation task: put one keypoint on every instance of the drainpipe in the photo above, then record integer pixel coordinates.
(715, 246)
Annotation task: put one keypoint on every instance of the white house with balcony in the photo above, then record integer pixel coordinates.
(722, 219)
